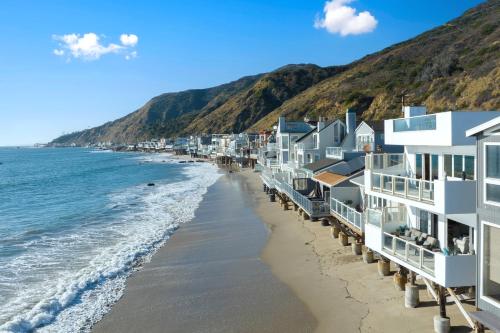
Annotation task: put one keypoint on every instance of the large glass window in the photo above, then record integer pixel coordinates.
(493, 192)
(434, 166)
(418, 165)
(491, 262)
(448, 165)
(457, 166)
(469, 167)
(493, 161)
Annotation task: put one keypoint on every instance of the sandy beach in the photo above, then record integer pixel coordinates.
(209, 276)
(246, 265)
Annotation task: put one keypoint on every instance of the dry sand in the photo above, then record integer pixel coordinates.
(342, 292)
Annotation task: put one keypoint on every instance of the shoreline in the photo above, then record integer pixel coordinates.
(339, 291)
(208, 277)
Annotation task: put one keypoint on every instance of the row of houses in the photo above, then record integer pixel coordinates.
(422, 191)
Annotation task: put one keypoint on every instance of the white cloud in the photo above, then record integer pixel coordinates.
(129, 40)
(89, 46)
(342, 19)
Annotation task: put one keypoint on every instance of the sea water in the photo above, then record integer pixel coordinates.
(74, 224)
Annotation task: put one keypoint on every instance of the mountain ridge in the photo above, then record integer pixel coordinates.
(453, 66)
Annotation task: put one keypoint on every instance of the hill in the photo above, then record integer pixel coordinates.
(454, 66)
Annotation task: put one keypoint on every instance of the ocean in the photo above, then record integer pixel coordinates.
(74, 224)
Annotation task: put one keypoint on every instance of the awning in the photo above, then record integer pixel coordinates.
(329, 178)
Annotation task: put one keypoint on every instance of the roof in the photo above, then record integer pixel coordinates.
(321, 164)
(296, 127)
(483, 127)
(360, 181)
(329, 178)
(328, 123)
(306, 135)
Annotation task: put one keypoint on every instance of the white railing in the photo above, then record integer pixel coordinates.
(415, 255)
(349, 214)
(385, 161)
(334, 152)
(314, 208)
(405, 187)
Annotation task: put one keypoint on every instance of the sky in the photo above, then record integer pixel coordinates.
(72, 65)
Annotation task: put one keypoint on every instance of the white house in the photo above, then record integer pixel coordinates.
(422, 203)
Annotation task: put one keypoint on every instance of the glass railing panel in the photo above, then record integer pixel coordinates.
(400, 247)
(420, 123)
(428, 261)
(387, 183)
(376, 179)
(414, 254)
(413, 188)
(428, 190)
(387, 242)
(399, 186)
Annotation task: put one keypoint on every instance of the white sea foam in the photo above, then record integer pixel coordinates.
(73, 299)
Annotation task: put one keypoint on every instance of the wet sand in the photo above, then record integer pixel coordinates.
(209, 276)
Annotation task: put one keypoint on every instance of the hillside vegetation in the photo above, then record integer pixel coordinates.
(454, 66)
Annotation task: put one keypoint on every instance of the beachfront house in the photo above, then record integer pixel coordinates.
(311, 147)
(422, 203)
(287, 133)
(488, 223)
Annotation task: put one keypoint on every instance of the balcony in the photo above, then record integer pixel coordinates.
(387, 175)
(334, 152)
(404, 187)
(348, 214)
(314, 207)
(382, 231)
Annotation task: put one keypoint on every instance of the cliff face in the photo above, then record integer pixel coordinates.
(454, 66)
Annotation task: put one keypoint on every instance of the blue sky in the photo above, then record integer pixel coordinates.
(181, 44)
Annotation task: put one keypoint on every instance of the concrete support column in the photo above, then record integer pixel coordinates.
(384, 267)
(356, 248)
(368, 256)
(335, 231)
(343, 239)
(412, 298)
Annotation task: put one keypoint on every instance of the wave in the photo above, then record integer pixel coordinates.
(102, 256)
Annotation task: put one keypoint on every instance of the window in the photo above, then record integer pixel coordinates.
(490, 263)
(456, 165)
(434, 166)
(419, 166)
(492, 173)
(284, 142)
(448, 165)
(493, 193)
(493, 161)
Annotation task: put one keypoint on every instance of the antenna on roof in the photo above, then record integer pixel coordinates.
(403, 95)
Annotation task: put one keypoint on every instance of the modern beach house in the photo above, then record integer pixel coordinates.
(422, 203)
(488, 224)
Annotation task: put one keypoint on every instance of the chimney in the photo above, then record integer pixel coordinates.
(321, 123)
(281, 122)
(350, 121)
